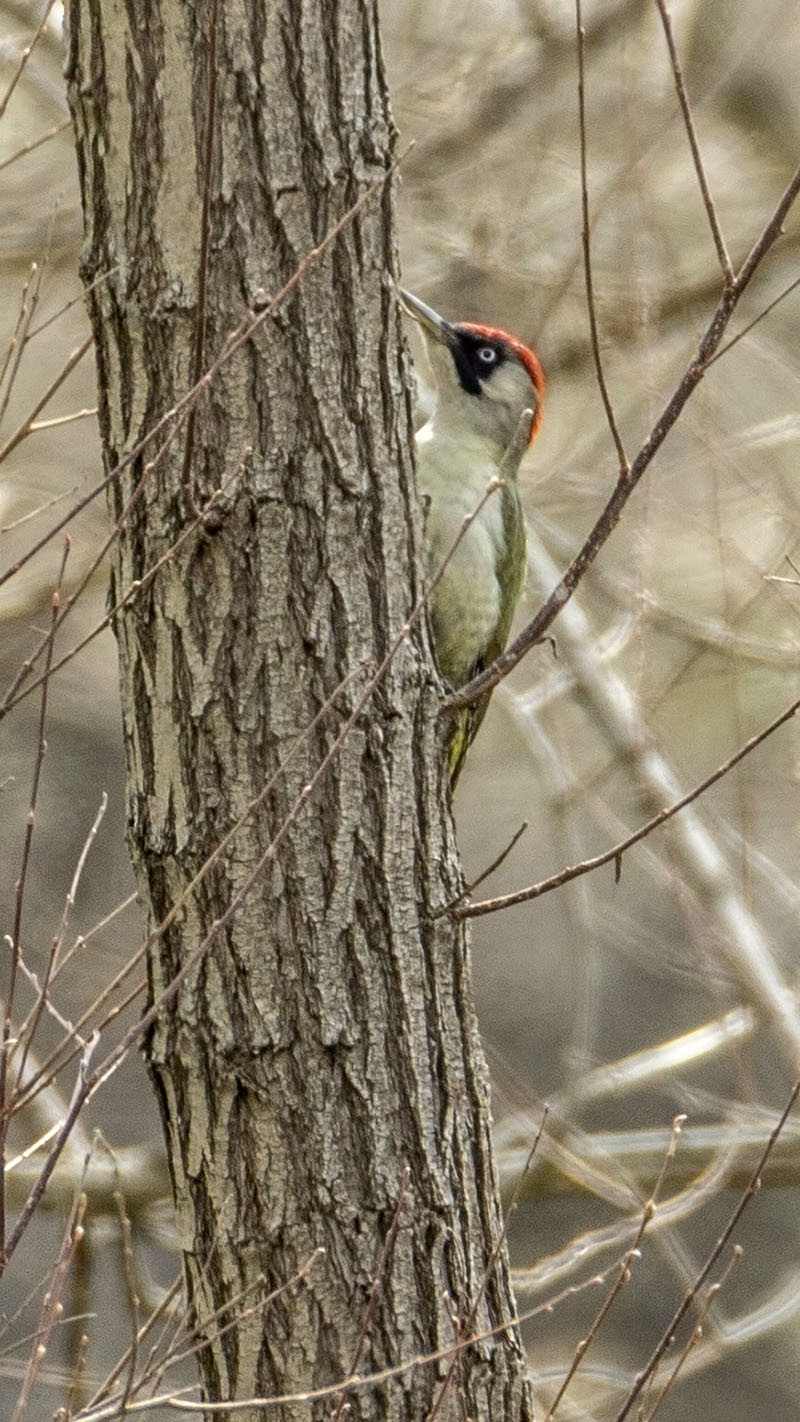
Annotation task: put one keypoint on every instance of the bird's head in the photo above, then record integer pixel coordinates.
(485, 378)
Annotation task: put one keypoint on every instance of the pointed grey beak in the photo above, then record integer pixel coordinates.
(428, 319)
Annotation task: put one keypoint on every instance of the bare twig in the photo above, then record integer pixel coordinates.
(500, 859)
(51, 1306)
(131, 1281)
(59, 420)
(723, 350)
(25, 428)
(614, 855)
(233, 1308)
(39, 510)
(13, 694)
(35, 548)
(73, 1042)
(378, 1283)
(29, 300)
(485, 874)
(683, 100)
(19, 903)
(163, 1307)
(68, 305)
(696, 1335)
(13, 340)
(586, 234)
(106, 1405)
(35, 143)
(24, 56)
(26, 1035)
(190, 505)
(688, 1299)
(84, 938)
(77, 1375)
(623, 1272)
(178, 1401)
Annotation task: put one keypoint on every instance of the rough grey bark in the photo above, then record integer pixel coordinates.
(328, 1038)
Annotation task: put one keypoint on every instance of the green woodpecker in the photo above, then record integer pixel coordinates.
(488, 410)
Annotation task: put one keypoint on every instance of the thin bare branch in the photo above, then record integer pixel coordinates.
(84, 938)
(19, 904)
(24, 56)
(614, 855)
(29, 300)
(131, 1281)
(36, 548)
(378, 1283)
(104, 1405)
(163, 1306)
(27, 1034)
(35, 143)
(586, 237)
(59, 420)
(68, 305)
(723, 350)
(39, 510)
(696, 1335)
(485, 874)
(177, 1400)
(74, 1040)
(688, 1299)
(691, 133)
(25, 428)
(198, 365)
(623, 1272)
(13, 694)
(51, 1306)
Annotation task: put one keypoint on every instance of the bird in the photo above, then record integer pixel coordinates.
(488, 411)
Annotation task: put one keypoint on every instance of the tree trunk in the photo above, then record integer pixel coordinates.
(327, 1039)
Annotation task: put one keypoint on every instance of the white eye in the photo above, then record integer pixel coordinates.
(487, 355)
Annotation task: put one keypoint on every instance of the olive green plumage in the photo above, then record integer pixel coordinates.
(509, 570)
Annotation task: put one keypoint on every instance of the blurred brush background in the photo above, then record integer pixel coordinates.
(622, 1004)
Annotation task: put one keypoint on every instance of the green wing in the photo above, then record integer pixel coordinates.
(510, 570)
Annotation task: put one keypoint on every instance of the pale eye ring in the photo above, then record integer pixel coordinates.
(487, 355)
